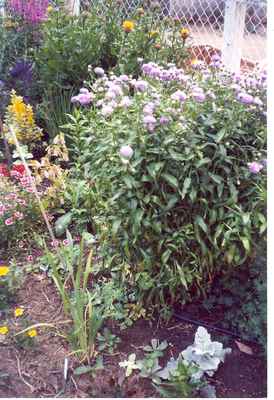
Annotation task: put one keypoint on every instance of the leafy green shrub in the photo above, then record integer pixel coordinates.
(73, 45)
(242, 297)
(177, 174)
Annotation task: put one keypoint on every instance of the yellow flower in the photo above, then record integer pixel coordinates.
(32, 333)
(4, 330)
(128, 26)
(153, 34)
(194, 61)
(18, 312)
(4, 270)
(49, 9)
(184, 33)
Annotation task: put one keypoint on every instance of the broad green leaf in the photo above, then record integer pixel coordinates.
(171, 180)
(62, 224)
(116, 225)
(199, 221)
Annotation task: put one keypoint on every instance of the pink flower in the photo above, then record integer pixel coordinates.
(255, 167)
(66, 242)
(9, 221)
(54, 243)
(18, 215)
(30, 258)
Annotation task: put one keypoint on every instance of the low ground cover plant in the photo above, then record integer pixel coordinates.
(177, 164)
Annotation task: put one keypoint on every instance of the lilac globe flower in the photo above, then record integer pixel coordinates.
(99, 71)
(107, 110)
(125, 102)
(150, 122)
(199, 95)
(164, 120)
(126, 152)
(141, 86)
(83, 98)
(110, 95)
(84, 91)
(124, 78)
(255, 167)
(149, 108)
(257, 101)
(179, 96)
(245, 98)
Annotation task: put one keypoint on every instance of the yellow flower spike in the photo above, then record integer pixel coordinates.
(32, 333)
(4, 270)
(128, 26)
(18, 312)
(184, 32)
(4, 330)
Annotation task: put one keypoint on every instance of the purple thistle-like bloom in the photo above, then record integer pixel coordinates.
(245, 98)
(255, 167)
(179, 96)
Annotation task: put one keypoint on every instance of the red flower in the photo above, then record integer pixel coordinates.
(19, 168)
(4, 170)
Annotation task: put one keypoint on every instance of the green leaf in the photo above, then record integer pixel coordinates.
(203, 161)
(62, 223)
(199, 221)
(246, 218)
(220, 135)
(246, 243)
(82, 370)
(171, 180)
(115, 226)
(216, 178)
(186, 185)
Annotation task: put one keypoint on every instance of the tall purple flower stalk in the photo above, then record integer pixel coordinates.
(32, 11)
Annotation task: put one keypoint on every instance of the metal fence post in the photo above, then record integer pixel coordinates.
(73, 6)
(234, 24)
(2, 8)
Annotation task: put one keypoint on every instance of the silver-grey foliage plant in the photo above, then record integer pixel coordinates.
(204, 353)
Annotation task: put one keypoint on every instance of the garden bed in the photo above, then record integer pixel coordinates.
(38, 371)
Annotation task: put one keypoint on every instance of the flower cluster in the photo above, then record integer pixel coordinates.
(20, 116)
(31, 11)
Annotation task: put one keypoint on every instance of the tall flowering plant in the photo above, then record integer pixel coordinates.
(31, 11)
(177, 162)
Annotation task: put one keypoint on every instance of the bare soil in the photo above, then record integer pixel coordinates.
(38, 372)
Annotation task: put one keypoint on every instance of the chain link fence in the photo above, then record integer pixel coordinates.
(206, 21)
